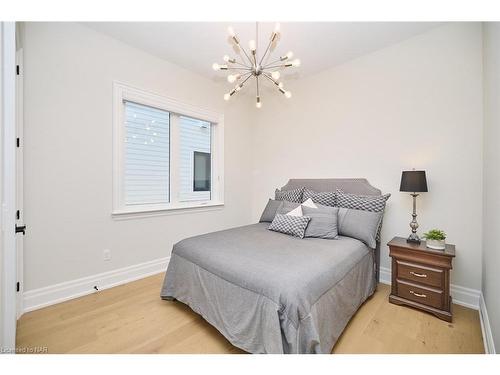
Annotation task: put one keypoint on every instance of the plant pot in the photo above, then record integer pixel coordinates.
(436, 244)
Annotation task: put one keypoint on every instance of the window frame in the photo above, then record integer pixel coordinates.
(123, 92)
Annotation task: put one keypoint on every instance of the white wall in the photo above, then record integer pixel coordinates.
(491, 218)
(69, 70)
(414, 104)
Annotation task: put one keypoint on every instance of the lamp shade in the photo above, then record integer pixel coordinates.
(413, 181)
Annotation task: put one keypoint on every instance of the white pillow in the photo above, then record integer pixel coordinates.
(296, 212)
(309, 203)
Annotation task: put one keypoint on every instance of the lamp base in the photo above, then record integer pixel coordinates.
(413, 238)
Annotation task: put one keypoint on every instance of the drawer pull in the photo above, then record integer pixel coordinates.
(418, 274)
(418, 295)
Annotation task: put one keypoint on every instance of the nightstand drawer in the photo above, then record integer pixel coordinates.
(420, 274)
(426, 296)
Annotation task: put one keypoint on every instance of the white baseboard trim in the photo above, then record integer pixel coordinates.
(461, 296)
(489, 344)
(52, 294)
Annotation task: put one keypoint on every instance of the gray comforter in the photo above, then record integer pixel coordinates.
(268, 292)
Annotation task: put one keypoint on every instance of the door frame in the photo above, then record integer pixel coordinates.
(8, 270)
(19, 181)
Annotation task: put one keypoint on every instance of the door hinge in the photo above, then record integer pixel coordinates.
(17, 69)
(18, 141)
(18, 287)
(18, 215)
(21, 229)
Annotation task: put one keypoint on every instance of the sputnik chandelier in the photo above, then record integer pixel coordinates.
(251, 66)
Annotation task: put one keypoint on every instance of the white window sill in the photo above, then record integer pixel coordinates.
(141, 212)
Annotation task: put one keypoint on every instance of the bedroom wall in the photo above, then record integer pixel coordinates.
(69, 70)
(417, 104)
(491, 199)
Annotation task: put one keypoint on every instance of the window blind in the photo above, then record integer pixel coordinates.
(147, 154)
(195, 137)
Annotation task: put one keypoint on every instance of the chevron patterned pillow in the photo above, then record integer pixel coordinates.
(326, 198)
(372, 203)
(287, 224)
(294, 195)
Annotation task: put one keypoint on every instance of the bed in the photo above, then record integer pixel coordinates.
(268, 292)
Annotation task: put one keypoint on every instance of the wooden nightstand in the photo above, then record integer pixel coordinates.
(421, 277)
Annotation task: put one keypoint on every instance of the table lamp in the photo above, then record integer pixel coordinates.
(414, 182)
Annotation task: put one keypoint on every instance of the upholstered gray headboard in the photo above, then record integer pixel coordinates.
(359, 186)
(349, 185)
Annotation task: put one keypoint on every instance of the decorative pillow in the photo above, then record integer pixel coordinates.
(293, 225)
(294, 195)
(359, 224)
(323, 223)
(309, 203)
(288, 207)
(326, 198)
(372, 203)
(270, 211)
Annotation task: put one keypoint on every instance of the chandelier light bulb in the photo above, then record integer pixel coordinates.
(288, 94)
(277, 28)
(258, 104)
(230, 31)
(226, 58)
(280, 85)
(226, 96)
(296, 63)
(289, 55)
(252, 45)
(275, 74)
(215, 66)
(233, 77)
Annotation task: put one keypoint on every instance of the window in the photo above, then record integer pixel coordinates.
(167, 155)
(147, 154)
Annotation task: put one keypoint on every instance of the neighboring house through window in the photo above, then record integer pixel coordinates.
(167, 155)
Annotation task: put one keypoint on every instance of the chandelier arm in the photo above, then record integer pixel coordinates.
(282, 66)
(237, 62)
(246, 54)
(272, 62)
(266, 51)
(270, 78)
(246, 79)
(238, 68)
(244, 76)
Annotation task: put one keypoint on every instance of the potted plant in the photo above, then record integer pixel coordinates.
(435, 239)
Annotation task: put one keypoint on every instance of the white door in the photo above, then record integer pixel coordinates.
(8, 270)
(20, 228)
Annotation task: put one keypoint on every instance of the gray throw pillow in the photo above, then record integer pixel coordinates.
(270, 211)
(373, 203)
(359, 224)
(323, 222)
(286, 207)
(293, 225)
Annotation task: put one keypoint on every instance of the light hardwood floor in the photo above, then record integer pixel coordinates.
(133, 319)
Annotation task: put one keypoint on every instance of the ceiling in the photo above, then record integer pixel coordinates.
(319, 45)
